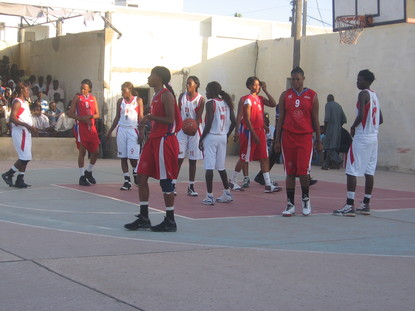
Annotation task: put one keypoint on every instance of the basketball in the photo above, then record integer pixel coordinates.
(189, 127)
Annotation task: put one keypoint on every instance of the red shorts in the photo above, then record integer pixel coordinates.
(88, 139)
(297, 150)
(250, 151)
(159, 158)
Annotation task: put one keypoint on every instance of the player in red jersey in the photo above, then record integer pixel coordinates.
(160, 152)
(84, 109)
(298, 120)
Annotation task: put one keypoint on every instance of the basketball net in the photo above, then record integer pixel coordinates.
(350, 27)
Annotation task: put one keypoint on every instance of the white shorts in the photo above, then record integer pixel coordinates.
(127, 143)
(362, 156)
(215, 152)
(22, 141)
(189, 145)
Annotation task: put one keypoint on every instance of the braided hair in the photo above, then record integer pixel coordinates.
(216, 89)
(165, 76)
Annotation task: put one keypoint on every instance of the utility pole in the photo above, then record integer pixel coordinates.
(304, 18)
(297, 33)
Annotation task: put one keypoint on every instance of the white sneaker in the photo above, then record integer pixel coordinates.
(226, 197)
(208, 200)
(289, 211)
(272, 188)
(191, 191)
(235, 187)
(306, 206)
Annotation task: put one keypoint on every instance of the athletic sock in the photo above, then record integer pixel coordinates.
(267, 179)
(170, 213)
(144, 209)
(290, 195)
(90, 167)
(126, 176)
(366, 198)
(174, 181)
(350, 198)
(234, 176)
(82, 171)
(305, 192)
(11, 171)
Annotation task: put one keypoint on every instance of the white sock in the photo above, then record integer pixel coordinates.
(174, 181)
(90, 167)
(14, 168)
(267, 179)
(234, 176)
(350, 195)
(81, 171)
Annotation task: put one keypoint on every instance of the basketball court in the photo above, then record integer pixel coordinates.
(238, 256)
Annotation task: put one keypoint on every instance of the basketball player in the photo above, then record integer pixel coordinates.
(191, 105)
(253, 140)
(363, 153)
(298, 120)
(22, 131)
(160, 152)
(219, 124)
(129, 113)
(84, 109)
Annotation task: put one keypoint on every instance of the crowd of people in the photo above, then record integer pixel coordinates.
(155, 144)
(46, 101)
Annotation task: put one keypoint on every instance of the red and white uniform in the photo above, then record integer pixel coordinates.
(190, 144)
(85, 134)
(216, 141)
(160, 153)
(363, 153)
(249, 150)
(22, 138)
(297, 134)
(127, 132)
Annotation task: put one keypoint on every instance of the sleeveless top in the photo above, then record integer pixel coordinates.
(221, 117)
(298, 111)
(129, 113)
(85, 106)
(257, 111)
(23, 114)
(371, 116)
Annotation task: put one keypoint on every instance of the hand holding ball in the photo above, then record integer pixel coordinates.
(189, 127)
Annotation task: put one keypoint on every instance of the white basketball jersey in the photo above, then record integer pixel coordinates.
(23, 114)
(221, 118)
(371, 116)
(189, 106)
(129, 113)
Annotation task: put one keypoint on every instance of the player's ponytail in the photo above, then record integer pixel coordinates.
(227, 98)
(165, 76)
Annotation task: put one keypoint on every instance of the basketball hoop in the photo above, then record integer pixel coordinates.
(350, 27)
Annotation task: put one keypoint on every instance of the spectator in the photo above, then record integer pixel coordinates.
(55, 89)
(3, 122)
(40, 121)
(41, 85)
(334, 118)
(58, 102)
(65, 124)
(48, 84)
(53, 113)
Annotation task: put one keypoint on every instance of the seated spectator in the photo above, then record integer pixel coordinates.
(3, 122)
(40, 84)
(64, 125)
(58, 102)
(43, 99)
(53, 113)
(56, 89)
(40, 121)
(48, 84)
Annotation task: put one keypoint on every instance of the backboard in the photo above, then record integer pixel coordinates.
(384, 12)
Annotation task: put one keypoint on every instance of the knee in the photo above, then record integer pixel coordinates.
(166, 186)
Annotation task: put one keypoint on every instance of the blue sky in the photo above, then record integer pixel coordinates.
(275, 10)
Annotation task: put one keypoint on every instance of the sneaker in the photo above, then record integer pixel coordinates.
(306, 206)
(208, 200)
(346, 210)
(8, 179)
(364, 209)
(191, 191)
(235, 187)
(174, 189)
(226, 197)
(167, 225)
(83, 181)
(272, 188)
(259, 178)
(246, 182)
(20, 183)
(289, 211)
(126, 185)
(89, 177)
(140, 223)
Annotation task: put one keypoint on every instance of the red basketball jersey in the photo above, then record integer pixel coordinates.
(298, 111)
(157, 108)
(85, 106)
(257, 110)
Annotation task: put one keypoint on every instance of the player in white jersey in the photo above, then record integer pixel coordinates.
(362, 155)
(129, 113)
(219, 124)
(191, 105)
(22, 131)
